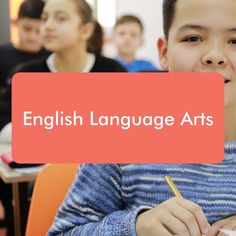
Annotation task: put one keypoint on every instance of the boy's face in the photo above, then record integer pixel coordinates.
(29, 34)
(202, 38)
(128, 38)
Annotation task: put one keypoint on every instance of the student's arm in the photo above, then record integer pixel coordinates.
(94, 205)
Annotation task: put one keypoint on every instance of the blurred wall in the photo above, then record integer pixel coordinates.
(4, 22)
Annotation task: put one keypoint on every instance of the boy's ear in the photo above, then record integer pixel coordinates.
(15, 22)
(163, 53)
(112, 37)
(88, 30)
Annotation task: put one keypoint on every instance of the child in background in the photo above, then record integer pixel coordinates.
(128, 38)
(66, 30)
(131, 199)
(29, 46)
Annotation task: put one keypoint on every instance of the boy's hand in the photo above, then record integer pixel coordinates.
(228, 223)
(173, 217)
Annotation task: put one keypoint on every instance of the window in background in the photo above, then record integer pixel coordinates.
(106, 12)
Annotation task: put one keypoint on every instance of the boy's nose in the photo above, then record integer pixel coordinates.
(214, 58)
(34, 36)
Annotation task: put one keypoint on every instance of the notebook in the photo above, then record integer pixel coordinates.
(7, 159)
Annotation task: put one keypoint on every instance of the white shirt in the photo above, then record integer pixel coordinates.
(88, 66)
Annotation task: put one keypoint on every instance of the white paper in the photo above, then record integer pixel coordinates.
(228, 232)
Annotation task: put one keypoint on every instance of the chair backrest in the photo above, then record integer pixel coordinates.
(49, 191)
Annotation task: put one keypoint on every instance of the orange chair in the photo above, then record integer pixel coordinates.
(50, 189)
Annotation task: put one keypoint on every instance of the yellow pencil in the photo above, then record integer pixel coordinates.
(174, 189)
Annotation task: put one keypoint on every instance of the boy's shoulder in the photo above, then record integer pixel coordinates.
(32, 66)
(10, 50)
(137, 65)
(143, 65)
(143, 62)
(6, 48)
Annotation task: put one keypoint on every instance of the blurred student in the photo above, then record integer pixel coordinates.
(128, 38)
(66, 30)
(134, 199)
(29, 46)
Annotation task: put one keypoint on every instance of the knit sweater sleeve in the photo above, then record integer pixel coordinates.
(94, 205)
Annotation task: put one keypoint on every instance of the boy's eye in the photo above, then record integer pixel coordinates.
(232, 41)
(133, 35)
(27, 29)
(121, 33)
(192, 39)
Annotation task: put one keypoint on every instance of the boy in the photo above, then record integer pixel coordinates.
(134, 199)
(128, 37)
(27, 49)
(29, 46)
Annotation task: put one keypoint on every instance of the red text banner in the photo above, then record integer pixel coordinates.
(118, 117)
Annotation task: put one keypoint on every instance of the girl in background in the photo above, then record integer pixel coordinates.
(67, 32)
(67, 27)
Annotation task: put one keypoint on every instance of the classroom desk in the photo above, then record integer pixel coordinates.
(11, 176)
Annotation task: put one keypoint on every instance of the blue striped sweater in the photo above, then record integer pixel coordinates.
(105, 199)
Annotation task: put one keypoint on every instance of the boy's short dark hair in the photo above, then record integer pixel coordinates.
(168, 9)
(128, 19)
(31, 9)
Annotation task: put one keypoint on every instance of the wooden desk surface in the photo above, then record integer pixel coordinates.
(9, 175)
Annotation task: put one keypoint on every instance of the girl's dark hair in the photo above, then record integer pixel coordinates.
(95, 43)
(31, 9)
(168, 11)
